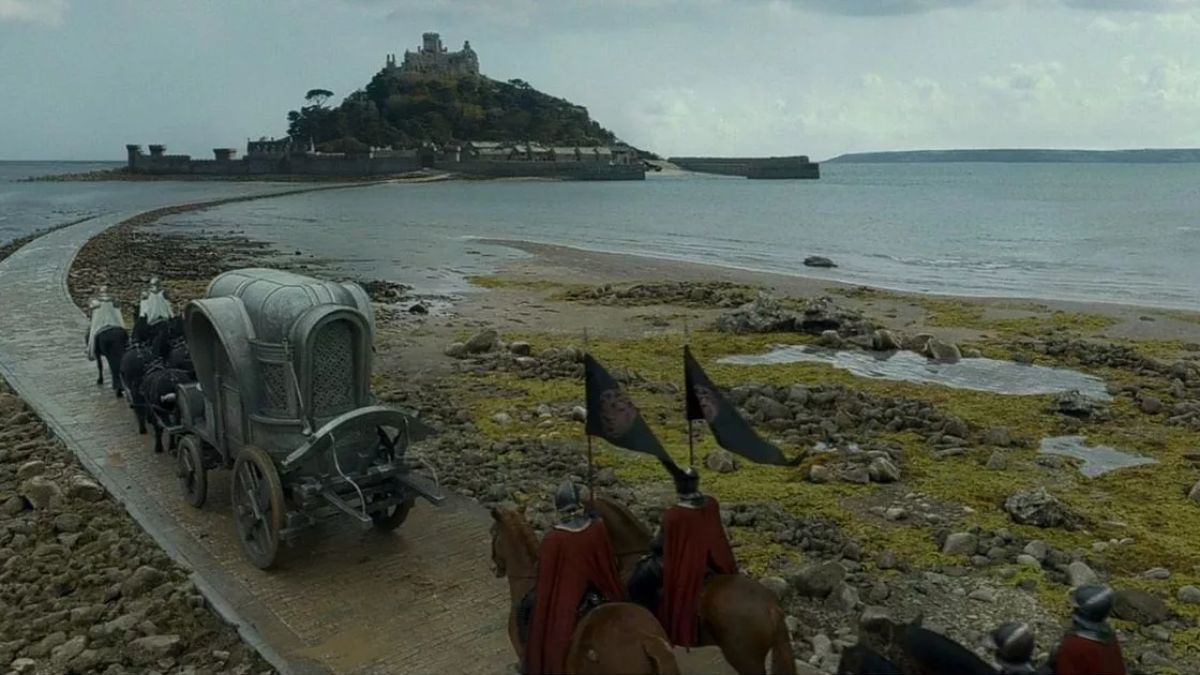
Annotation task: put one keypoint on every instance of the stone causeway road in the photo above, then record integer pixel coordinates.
(419, 600)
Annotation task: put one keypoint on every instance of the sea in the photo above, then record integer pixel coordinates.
(1123, 233)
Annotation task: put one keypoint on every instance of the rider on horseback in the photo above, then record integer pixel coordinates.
(1014, 644)
(1091, 644)
(693, 546)
(576, 571)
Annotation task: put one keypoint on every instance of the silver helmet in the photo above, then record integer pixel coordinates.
(567, 497)
(1092, 603)
(1014, 643)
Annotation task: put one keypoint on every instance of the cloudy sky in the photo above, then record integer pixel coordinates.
(80, 78)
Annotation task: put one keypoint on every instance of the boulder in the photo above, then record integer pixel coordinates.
(998, 461)
(843, 598)
(884, 340)
(764, 314)
(148, 650)
(520, 349)
(818, 261)
(777, 585)
(818, 580)
(483, 341)
(998, 436)
(942, 352)
(84, 489)
(1139, 606)
(882, 470)
(831, 339)
(1079, 574)
(40, 492)
(1075, 404)
(960, 543)
(456, 350)
(1040, 508)
(771, 409)
(918, 343)
(1189, 595)
(819, 473)
(1151, 405)
(721, 461)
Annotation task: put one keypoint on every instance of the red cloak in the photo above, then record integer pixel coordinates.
(567, 564)
(693, 540)
(1078, 655)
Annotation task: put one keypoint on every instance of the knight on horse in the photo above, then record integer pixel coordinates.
(692, 545)
(576, 572)
(154, 304)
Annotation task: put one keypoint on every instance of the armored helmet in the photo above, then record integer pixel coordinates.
(1092, 603)
(687, 483)
(1014, 643)
(567, 497)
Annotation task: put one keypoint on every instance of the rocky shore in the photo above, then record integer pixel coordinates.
(906, 500)
(84, 589)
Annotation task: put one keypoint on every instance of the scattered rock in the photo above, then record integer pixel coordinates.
(1079, 574)
(942, 352)
(1151, 405)
(818, 580)
(960, 543)
(23, 665)
(843, 598)
(1189, 595)
(721, 461)
(40, 492)
(830, 339)
(456, 350)
(858, 474)
(1075, 404)
(983, 594)
(776, 585)
(579, 414)
(884, 340)
(818, 473)
(68, 650)
(1157, 573)
(484, 341)
(998, 461)
(502, 419)
(30, 469)
(418, 308)
(1026, 560)
(520, 348)
(998, 436)
(882, 470)
(1038, 549)
(148, 650)
(1194, 494)
(1040, 508)
(1139, 606)
(818, 261)
(84, 489)
(895, 513)
(886, 560)
(143, 579)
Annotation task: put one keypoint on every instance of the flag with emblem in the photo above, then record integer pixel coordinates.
(706, 402)
(611, 414)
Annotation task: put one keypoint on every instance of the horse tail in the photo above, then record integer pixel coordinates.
(780, 658)
(660, 655)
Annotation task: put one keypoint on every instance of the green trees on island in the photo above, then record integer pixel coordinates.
(392, 110)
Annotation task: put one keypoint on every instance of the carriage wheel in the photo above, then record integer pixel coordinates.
(393, 516)
(258, 509)
(193, 477)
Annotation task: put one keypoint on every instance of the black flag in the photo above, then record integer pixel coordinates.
(612, 416)
(706, 402)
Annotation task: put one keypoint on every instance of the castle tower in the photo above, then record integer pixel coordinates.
(432, 43)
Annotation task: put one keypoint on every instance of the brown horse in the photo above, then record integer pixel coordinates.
(618, 637)
(738, 614)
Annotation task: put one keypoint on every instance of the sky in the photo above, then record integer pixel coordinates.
(81, 78)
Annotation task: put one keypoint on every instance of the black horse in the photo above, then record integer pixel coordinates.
(110, 345)
(158, 394)
(862, 660)
(171, 346)
(920, 651)
(138, 355)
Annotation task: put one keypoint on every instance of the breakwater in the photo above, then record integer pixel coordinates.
(797, 166)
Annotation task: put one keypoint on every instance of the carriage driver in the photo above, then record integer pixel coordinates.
(693, 546)
(576, 572)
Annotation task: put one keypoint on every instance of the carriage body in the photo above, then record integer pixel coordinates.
(283, 363)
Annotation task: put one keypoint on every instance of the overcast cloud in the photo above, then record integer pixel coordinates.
(82, 78)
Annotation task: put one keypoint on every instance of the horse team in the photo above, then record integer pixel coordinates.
(147, 363)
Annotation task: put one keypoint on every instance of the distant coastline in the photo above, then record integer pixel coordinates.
(1018, 155)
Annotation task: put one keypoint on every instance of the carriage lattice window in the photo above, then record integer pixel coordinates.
(333, 369)
(275, 388)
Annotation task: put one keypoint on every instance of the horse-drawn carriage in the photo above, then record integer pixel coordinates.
(283, 397)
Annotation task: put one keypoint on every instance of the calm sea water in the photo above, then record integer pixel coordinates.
(1101, 232)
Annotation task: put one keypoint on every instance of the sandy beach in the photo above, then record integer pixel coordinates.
(907, 497)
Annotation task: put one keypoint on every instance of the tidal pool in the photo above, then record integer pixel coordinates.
(1097, 459)
(990, 375)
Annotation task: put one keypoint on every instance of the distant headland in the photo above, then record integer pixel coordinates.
(1018, 155)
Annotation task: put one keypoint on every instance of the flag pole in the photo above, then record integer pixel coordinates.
(591, 490)
(686, 412)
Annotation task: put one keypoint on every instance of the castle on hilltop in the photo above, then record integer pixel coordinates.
(433, 61)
